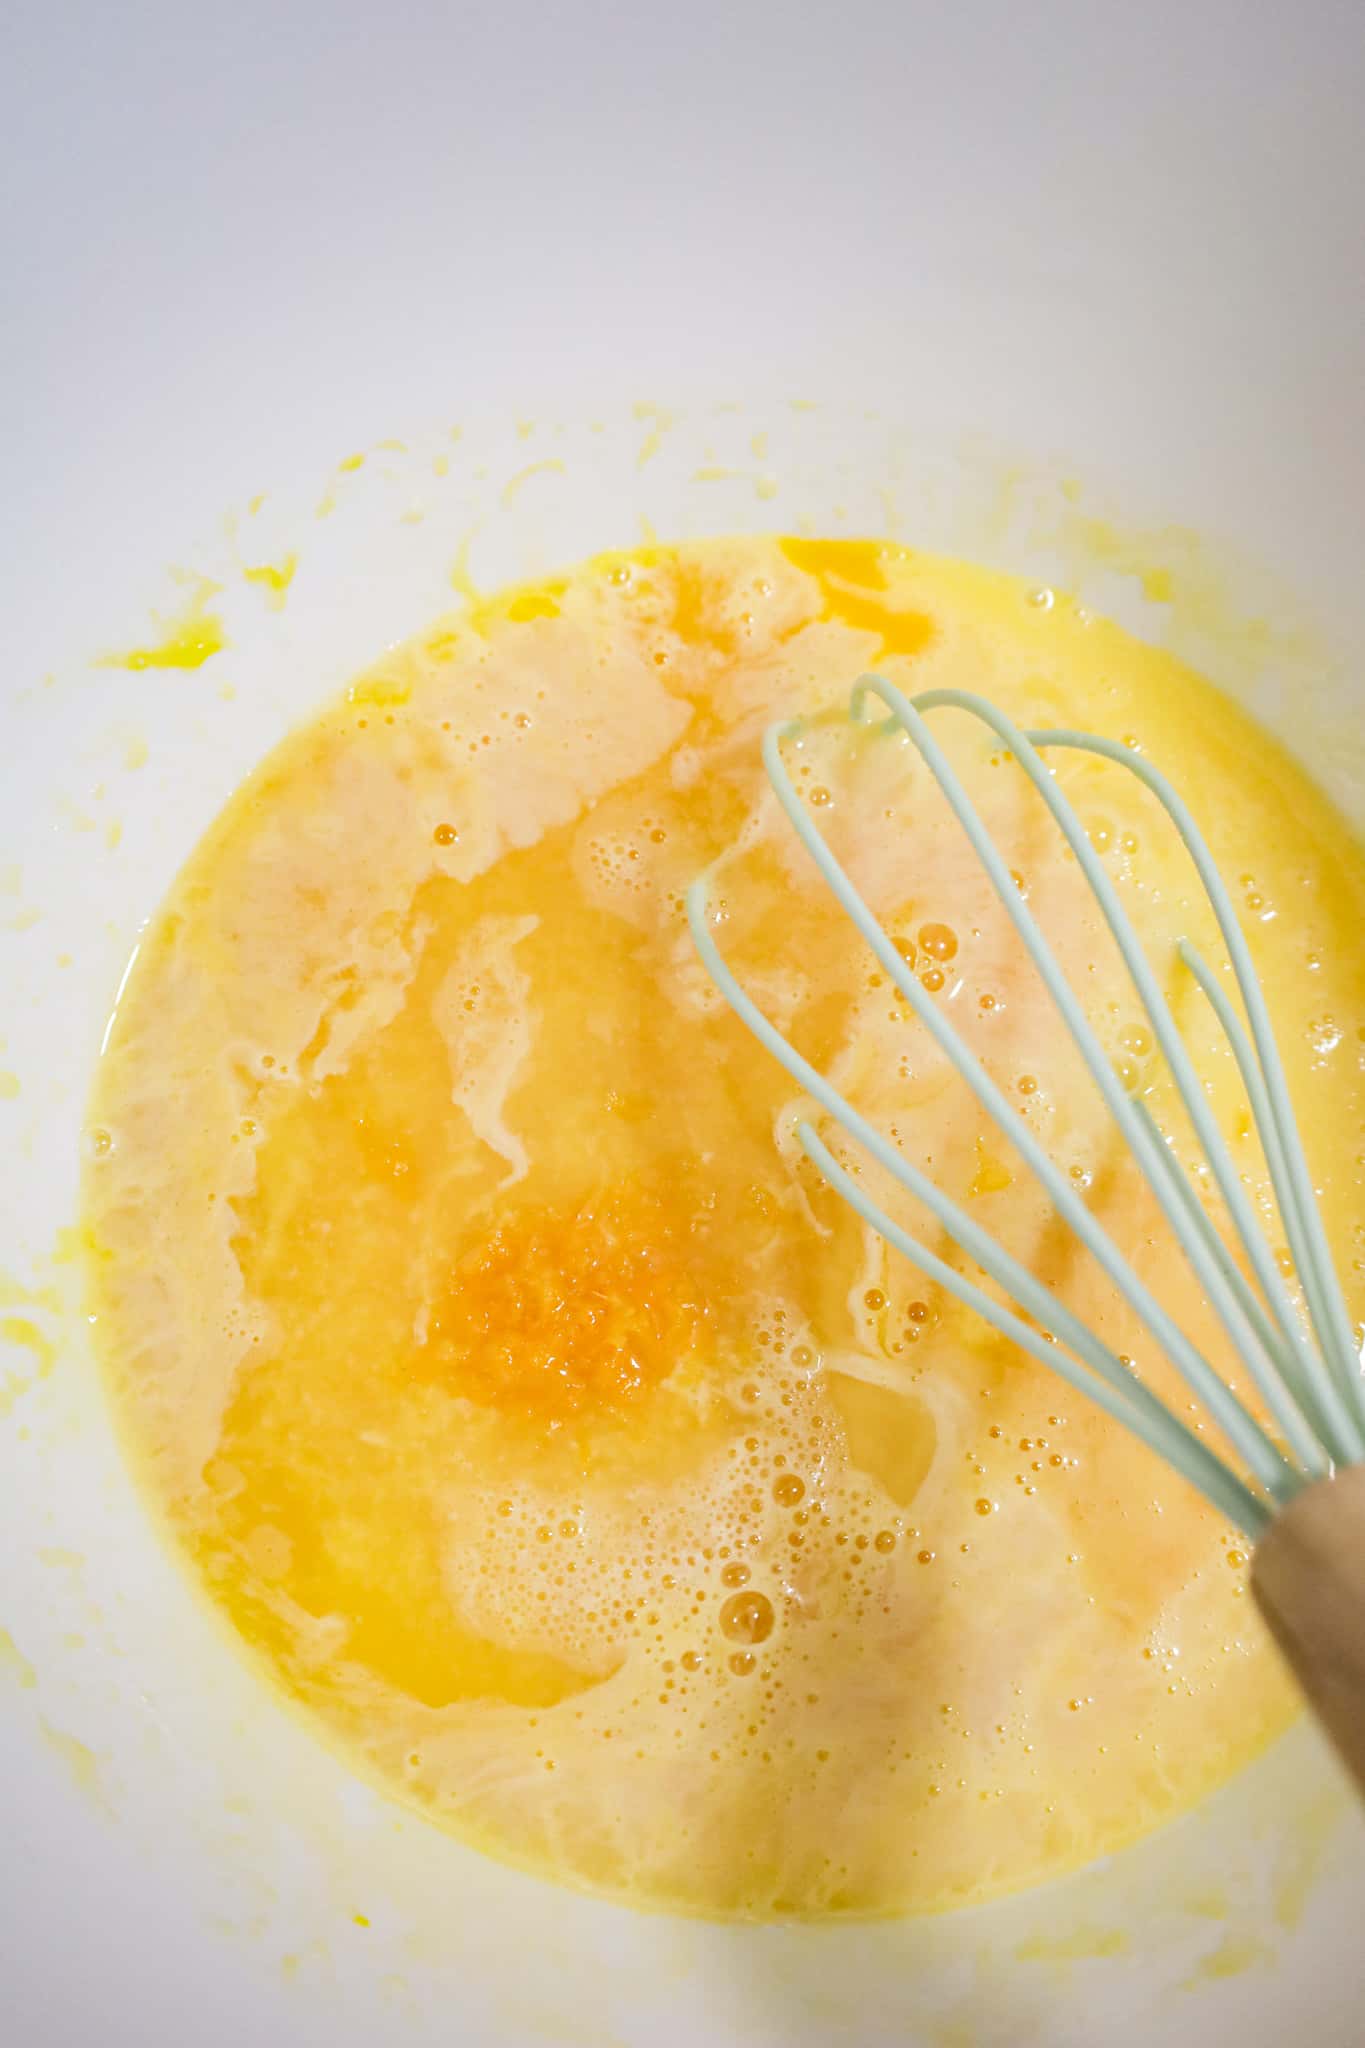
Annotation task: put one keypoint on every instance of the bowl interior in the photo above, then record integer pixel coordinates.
(137, 1749)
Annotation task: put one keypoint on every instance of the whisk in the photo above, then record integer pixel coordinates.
(1296, 1487)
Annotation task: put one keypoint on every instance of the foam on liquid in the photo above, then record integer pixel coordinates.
(550, 1432)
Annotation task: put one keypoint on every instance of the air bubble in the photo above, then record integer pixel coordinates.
(938, 940)
(747, 1618)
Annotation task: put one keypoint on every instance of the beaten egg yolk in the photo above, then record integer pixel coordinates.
(504, 1371)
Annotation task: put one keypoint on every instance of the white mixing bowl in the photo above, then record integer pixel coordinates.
(1021, 287)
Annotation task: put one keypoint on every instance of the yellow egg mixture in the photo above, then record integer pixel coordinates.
(512, 1381)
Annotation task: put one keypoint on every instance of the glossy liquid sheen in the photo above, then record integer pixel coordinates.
(585, 1470)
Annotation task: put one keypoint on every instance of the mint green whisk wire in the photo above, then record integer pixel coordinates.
(1311, 1384)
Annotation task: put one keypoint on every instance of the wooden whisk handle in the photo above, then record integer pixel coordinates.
(1308, 1576)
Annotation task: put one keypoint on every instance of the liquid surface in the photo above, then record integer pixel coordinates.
(513, 1384)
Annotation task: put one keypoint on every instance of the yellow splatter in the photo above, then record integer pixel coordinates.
(440, 465)
(523, 476)
(661, 419)
(1000, 518)
(525, 429)
(9, 1085)
(13, 1294)
(13, 1660)
(758, 445)
(1212, 1904)
(764, 482)
(80, 1761)
(1173, 566)
(1086, 1944)
(1301, 1864)
(135, 753)
(359, 1920)
(113, 832)
(1238, 1952)
(351, 463)
(24, 920)
(26, 1335)
(274, 578)
(190, 638)
(291, 1965)
(460, 578)
(256, 503)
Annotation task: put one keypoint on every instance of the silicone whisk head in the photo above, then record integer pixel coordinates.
(1304, 1366)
